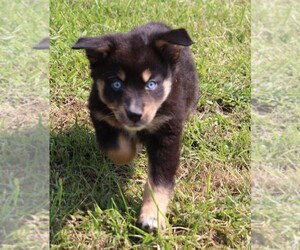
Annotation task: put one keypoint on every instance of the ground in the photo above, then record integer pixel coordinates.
(94, 204)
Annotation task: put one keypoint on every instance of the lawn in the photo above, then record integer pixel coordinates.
(275, 125)
(94, 204)
(24, 130)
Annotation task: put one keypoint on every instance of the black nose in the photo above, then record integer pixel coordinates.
(133, 116)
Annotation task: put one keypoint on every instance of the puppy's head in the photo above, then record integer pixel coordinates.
(133, 71)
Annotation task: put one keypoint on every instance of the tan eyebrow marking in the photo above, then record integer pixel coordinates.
(121, 74)
(103, 49)
(146, 75)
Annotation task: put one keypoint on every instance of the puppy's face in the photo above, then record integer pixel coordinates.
(134, 98)
(135, 93)
(132, 72)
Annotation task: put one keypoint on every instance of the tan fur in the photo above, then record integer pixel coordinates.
(146, 75)
(103, 49)
(155, 203)
(151, 107)
(167, 89)
(121, 74)
(100, 87)
(150, 110)
(157, 122)
(125, 152)
(176, 48)
(160, 43)
(110, 119)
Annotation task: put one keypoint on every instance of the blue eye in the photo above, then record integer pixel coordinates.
(151, 85)
(117, 85)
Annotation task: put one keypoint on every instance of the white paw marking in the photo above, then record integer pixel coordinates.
(150, 223)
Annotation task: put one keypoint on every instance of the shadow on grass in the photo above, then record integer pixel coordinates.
(24, 186)
(81, 178)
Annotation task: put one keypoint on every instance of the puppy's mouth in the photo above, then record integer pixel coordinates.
(134, 127)
(132, 122)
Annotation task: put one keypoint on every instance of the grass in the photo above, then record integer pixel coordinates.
(275, 125)
(24, 134)
(94, 204)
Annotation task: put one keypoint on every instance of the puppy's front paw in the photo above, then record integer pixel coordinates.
(154, 207)
(150, 222)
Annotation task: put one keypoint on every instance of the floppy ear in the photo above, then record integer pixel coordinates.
(171, 42)
(97, 48)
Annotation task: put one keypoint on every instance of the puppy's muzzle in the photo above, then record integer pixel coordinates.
(134, 116)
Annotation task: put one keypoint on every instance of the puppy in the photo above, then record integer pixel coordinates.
(145, 86)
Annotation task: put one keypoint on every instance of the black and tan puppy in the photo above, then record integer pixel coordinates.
(145, 86)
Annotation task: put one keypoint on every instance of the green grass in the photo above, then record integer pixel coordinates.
(94, 204)
(275, 125)
(24, 133)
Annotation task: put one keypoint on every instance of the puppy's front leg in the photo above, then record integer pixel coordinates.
(116, 144)
(163, 150)
(155, 203)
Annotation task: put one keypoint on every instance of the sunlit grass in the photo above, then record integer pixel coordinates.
(94, 204)
(275, 125)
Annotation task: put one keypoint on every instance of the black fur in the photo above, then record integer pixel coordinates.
(163, 51)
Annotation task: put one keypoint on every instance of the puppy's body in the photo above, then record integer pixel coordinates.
(145, 86)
